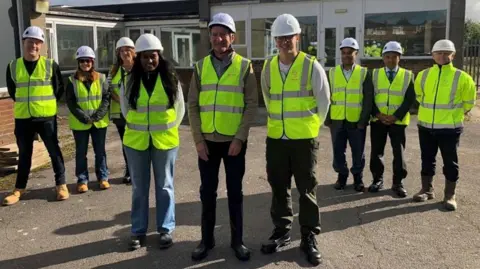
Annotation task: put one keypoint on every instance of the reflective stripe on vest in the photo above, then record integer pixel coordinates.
(115, 110)
(89, 101)
(390, 96)
(346, 96)
(292, 108)
(152, 120)
(34, 95)
(221, 99)
(441, 106)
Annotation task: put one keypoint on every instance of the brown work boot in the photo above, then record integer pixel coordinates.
(82, 187)
(449, 200)
(62, 192)
(14, 197)
(426, 193)
(104, 184)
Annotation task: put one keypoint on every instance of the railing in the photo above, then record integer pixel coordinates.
(471, 59)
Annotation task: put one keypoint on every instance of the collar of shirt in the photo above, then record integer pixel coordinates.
(345, 70)
(395, 70)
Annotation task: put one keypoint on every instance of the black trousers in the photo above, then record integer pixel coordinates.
(120, 124)
(234, 169)
(25, 130)
(447, 141)
(378, 135)
(298, 158)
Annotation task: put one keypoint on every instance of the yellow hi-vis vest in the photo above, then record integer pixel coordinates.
(151, 120)
(89, 101)
(292, 109)
(115, 110)
(34, 96)
(346, 96)
(390, 96)
(444, 95)
(221, 99)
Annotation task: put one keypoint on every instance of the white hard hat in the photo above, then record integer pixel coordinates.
(85, 52)
(148, 42)
(443, 45)
(223, 19)
(34, 32)
(285, 25)
(393, 46)
(125, 42)
(349, 42)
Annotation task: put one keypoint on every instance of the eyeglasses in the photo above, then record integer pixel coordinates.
(84, 61)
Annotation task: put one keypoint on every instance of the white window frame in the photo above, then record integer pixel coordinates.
(78, 22)
(247, 11)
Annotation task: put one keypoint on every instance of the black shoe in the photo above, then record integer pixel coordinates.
(341, 182)
(127, 180)
(165, 241)
(137, 242)
(376, 186)
(358, 183)
(309, 246)
(241, 252)
(399, 190)
(201, 251)
(275, 242)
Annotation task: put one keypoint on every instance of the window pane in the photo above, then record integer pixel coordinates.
(263, 44)
(349, 32)
(106, 41)
(166, 39)
(196, 42)
(240, 34)
(180, 45)
(70, 38)
(330, 46)
(416, 31)
(134, 34)
(241, 50)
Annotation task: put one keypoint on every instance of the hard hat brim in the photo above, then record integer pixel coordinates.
(142, 50)
(33, 37)
(210, 25)
(287, 34)
(351, 47)
(386, 51)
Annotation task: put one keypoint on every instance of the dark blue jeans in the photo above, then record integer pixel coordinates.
(81, 146)
(341, 134)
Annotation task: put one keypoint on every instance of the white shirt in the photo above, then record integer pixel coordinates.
(320, 88)
(348, 73)
(179, 104)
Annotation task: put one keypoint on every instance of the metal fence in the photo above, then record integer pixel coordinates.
(471, 59)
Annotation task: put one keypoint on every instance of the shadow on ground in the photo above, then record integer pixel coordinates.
(257, 228)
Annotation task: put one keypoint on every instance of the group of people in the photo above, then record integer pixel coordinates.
(143, 97)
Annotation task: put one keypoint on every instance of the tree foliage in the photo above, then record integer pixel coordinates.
(472, 30)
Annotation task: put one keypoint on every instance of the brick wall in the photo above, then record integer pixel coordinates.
(6, 122)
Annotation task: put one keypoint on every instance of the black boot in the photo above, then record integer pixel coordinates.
(341, 182)
(277, 240)
(165, 241)
(201, 251)
(377, 185)
(137, 242)
(358, 183)
(235, 208)
(126, 177)
(398, 188)
(309, 247)
(241, 252)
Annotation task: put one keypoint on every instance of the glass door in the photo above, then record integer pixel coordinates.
(332, 38)
(182, 50)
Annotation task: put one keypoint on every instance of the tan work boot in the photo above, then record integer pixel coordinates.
(104, 184)
(62, 192)
(449, 200)
(82, 187)
(14, 197)
(426, 193)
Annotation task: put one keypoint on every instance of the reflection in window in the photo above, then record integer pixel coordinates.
(134, 34)
(330, 46)
(70, 38)
(240, 34)
(106, 41)
(416, 31)
(263, 44)
(179, 45)
(349, 32)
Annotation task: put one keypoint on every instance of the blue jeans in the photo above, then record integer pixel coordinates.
(139, 164)
(341, 134)
(81, 146)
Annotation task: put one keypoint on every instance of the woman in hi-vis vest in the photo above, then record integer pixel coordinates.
(87, 99)
(155, 109)
(117, 78)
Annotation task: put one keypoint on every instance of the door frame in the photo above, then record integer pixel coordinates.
(175, 46)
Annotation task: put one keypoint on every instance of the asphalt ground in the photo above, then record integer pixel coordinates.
(359, 230)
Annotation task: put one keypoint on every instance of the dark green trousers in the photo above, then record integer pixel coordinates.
(298, 158)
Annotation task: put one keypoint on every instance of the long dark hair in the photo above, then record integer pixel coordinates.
(167, 74)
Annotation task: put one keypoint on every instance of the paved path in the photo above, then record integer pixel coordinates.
(359, 230)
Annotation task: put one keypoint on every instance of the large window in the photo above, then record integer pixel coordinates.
(416, 31)
(179, 45)
(240, 44)
(69, 39)
(263, 44)
(106, 41)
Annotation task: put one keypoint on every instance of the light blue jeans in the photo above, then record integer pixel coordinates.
(139, 164)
